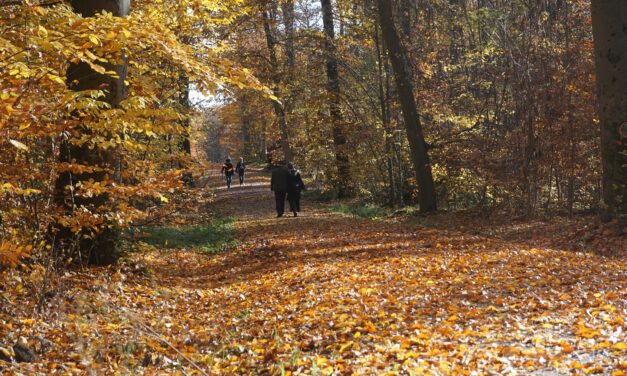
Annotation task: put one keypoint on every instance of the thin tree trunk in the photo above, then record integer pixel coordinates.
(99, 247)
(343, 181)
(385, 115)
(529, 167)
(279, 110)
(609, 26)
(185, 108)
(186, 145)
(570, 124)
(287, 8)
(417, 144)
(247, 148)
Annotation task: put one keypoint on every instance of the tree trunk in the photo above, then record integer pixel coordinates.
(417, 144)
(100, 248)
(385, 113)
(245, 118)
(279, 110)
(609, 27)
(186, 146)
(288, 21)
(343, 181)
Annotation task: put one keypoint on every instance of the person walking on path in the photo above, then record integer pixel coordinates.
(240, 168)
(294, 186)
(278, 184)
(227, 170)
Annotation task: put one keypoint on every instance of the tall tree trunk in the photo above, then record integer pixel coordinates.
(529, 162)
(279, 110)
(404, 15)
(186, 145)
(100, 247)
(609, 26)
(456, 31)
(288, 21)
(185, 108)
(245, 118)
(417, 144)
(385, 113)
(287, 8)
(343, 180)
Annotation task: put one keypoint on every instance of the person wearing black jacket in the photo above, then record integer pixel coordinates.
(294, 186)
(278, 184)
(227, 171)
(240, 168)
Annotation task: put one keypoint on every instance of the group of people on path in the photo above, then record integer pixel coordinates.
(228, 170)
(286, 182)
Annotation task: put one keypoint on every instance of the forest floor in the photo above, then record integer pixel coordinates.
(326, 293)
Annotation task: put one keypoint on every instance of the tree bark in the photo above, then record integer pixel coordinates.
(279, 110)
(385, 112)
(343, 180)
(417, 144)
(101, 247)
(186, 144)
(609, 27)
(288, 21)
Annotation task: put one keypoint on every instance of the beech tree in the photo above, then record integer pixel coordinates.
(609, 25)
(98, 246)
(462, 107)
(279, 109)
(340, 141)
(420, 158)
(92, 105)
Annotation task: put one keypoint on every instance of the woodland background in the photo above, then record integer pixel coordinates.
(504, 92)
(466, 160)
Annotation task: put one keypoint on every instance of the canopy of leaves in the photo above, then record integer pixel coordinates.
(160, 41)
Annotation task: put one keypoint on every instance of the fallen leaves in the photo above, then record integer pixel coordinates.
(324, 294)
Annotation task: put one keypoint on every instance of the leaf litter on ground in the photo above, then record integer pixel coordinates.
(327, 294)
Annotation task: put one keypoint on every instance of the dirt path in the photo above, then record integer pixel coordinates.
(324, 293)
(329, 294)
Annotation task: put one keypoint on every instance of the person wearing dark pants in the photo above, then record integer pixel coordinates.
(294, 186)
(278, 184)
(279, 197)
(240, 168)
(227, 170)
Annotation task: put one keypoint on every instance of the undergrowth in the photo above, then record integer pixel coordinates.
(360, 210)
(210, 238)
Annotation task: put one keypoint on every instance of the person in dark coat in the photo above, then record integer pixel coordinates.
(278, 184)
(240, 168)
(228, 170)
(294, 186)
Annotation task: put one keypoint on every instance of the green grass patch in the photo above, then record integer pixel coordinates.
(319, 195)
(360, 210)
(211, 238)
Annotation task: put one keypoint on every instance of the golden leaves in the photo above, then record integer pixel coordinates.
(299, 297)
(10, 254)
(39, 113)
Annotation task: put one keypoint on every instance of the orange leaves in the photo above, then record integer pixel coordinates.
(40, 116)
(369, 327)
(10, 254)
(301, 297)
(584, 331)
(566, 347)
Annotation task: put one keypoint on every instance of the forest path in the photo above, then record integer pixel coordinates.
(324, 294)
